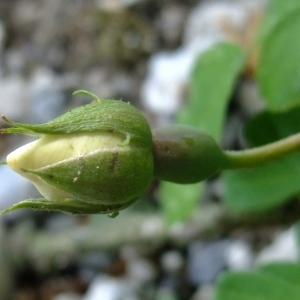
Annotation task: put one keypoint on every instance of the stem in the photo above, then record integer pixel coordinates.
(259, 155)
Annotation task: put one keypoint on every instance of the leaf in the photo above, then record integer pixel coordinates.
(278, 71)
(212, 81)
(260, 130)
(178, 201)
(211, 86)
(273, 183)
(267, 127)
(276, 11)
(287, 271)
(263, 187)
(272, 284)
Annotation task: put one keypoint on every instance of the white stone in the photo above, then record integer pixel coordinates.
(108, 288)
(283, 248)
(165, 85)
(239, 255)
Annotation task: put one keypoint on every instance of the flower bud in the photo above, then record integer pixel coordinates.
(185, 154)
(94, 159)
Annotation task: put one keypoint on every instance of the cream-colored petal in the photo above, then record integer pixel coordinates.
(51, 149)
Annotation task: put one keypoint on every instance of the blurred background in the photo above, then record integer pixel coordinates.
(140, 51)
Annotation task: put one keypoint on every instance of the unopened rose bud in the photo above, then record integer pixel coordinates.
(94, 159)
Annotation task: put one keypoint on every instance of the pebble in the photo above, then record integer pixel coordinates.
(283, 248)
(171, 21)
(206, 259)
(205, 292)
(91, 264)
(172, 261)
(109, 288)
(139, 270)
(164, 87)
(239, 255)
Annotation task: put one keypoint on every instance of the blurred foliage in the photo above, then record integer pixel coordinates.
(218, 67)
(278, 77)
(275, 281)
(272, 183)
(212, 83)
(211, 86)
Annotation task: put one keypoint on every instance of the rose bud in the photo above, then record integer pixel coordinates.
(96, 158)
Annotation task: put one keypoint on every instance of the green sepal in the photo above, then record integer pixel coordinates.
(69, 206)
(114, 215)
(108, 177)
(112, 116)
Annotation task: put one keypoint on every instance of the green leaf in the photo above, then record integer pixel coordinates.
(261, 130)
(288, 271)
(273, 183)
(276, 11)
(267, 127)
(278, 70)
(263, 187)
(268, 284)
(178, 201)
(211, 86)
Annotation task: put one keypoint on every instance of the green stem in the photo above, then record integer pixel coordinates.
(259, 155)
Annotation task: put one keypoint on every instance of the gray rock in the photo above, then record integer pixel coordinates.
(239, 255)
(206, 260)
(172, 261)
(205, 292)
(91, 264)
(139, 270)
